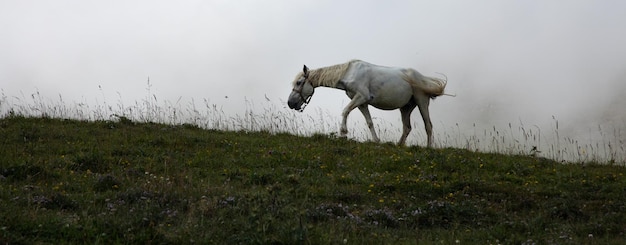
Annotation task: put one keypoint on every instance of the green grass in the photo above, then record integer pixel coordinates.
(70, 181)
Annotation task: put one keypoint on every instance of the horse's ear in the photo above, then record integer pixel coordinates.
(305, 70)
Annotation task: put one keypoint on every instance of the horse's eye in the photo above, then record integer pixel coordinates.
(299, 83)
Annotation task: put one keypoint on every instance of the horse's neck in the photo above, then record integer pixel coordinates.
(321, 83)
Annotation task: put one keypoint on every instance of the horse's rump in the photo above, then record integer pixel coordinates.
(431, 86)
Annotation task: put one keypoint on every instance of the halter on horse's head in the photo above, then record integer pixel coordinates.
(302, 91)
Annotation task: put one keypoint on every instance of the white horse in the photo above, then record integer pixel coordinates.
(386, 88)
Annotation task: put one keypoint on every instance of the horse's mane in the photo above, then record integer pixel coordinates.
(327, 76)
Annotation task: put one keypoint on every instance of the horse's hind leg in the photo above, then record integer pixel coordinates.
(405, 112)
(368, 119)
(423, 101)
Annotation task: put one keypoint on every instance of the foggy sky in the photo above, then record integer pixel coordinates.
(507, 61)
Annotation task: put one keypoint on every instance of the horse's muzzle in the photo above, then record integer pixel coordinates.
(294, 105)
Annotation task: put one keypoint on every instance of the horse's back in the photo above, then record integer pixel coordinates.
(361, 71)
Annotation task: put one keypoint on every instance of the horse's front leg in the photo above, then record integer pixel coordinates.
(357, 100)
(368, 119)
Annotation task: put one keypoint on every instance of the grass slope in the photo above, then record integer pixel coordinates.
(67, 181)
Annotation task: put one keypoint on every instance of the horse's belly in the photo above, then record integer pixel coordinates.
(391, 97)
(390, 105)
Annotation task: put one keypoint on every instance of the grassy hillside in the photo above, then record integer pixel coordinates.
(67, 181)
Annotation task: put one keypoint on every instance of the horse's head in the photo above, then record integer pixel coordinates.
(301, 92)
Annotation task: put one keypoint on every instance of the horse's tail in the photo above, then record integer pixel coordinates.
(430, 86)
